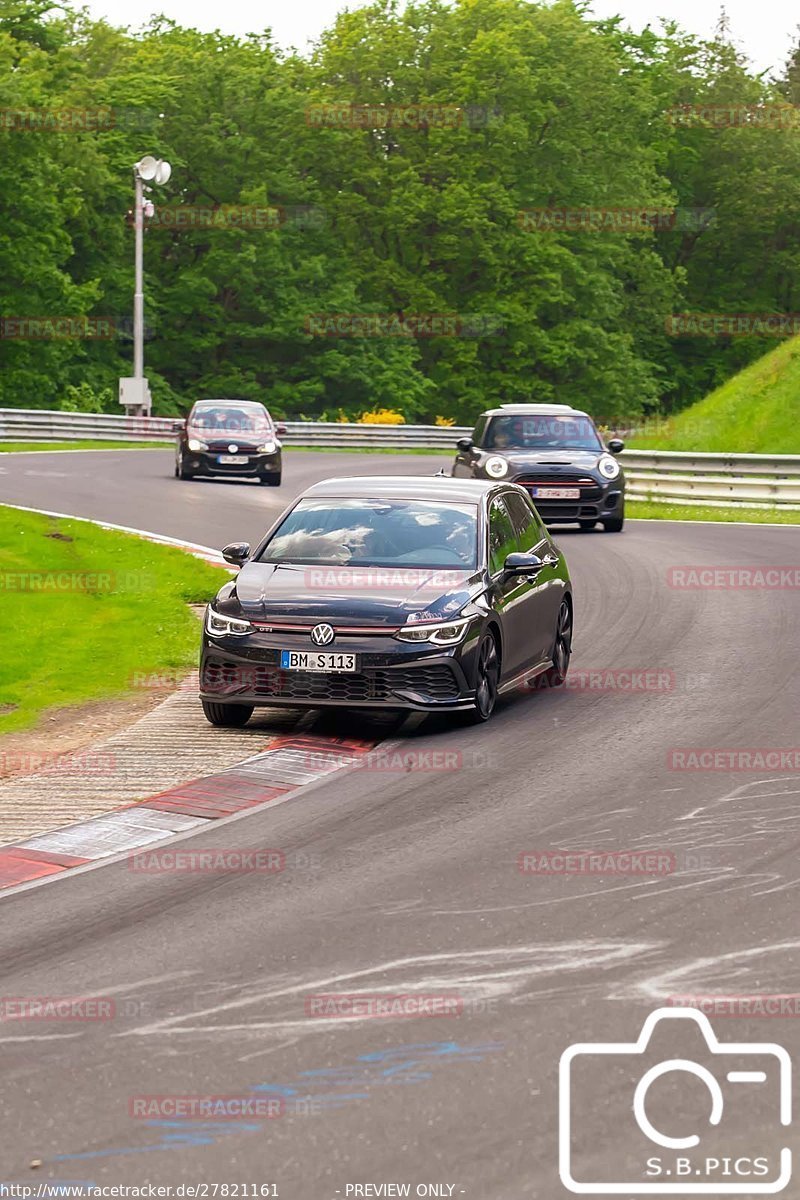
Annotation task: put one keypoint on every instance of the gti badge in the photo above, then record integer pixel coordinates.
(322, 635)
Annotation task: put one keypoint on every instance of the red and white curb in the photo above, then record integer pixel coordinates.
(290, 763)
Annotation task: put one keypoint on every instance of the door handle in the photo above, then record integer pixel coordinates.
(550, 560)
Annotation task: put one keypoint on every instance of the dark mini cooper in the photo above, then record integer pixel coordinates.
(229, 438)
(431, 594)
(556, 453)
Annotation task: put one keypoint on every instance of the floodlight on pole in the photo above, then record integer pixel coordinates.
(134, 391)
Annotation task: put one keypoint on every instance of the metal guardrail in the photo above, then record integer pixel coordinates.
(756, 480)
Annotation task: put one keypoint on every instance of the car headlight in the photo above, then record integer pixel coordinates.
(496, 467)
(266, 448)
(219, 626)
(440, 635)
(195, 444)
(608, 466)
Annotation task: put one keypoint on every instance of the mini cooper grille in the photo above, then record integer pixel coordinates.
(587, 485)
(436, 681)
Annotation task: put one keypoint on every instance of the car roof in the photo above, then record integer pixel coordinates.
(509, 410)
(238, 403)
(404, 487)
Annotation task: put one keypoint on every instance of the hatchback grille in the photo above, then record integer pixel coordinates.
(436, 681)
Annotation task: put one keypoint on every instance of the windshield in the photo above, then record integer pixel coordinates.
(376, 533)
(541, 431)
(229, 418)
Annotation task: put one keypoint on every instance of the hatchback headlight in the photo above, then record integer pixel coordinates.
(195, 444)
(608, 466)
(266, 448)
(440, 635)
(496, 467)
(219, 626)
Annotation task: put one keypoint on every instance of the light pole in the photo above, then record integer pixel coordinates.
(134, 390)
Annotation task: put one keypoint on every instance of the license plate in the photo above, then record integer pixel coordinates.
(237, 460)
(317, 660)
(556, 493)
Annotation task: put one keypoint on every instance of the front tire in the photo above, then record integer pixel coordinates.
(183, 471)
(487, 678)
(229, 716)
(556, 675)
(272, 480)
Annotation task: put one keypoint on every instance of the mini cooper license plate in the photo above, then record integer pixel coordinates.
(317, 660)
(233, 460)
(555, 493)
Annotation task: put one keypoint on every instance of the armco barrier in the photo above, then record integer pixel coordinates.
(754, 480)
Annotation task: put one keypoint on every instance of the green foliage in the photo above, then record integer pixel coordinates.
(557, 110)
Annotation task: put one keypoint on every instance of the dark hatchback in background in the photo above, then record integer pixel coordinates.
(430, 594)
(556, 453)
(229, 438)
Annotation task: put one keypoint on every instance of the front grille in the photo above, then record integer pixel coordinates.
(436, 681)
(590, 488)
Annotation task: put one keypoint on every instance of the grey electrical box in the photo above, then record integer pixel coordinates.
(134, 395)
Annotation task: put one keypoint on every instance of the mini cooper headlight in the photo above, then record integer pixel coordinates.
(440, 635)
(195, 444)
(219, 626)
(608, 466)
(496, 467)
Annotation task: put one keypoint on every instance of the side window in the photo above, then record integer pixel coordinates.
(502, 536)
(478, 431)
(526, 524)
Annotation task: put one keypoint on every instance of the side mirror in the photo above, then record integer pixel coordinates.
(523, 564)
(236, 553)
(616, 445)
(465, 445)
(178, 426)
(280, 430)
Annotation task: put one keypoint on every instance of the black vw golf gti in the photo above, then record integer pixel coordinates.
(556, 453)
(433, 594)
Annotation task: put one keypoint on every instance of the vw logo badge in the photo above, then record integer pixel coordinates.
(233, 448)
(322, 635)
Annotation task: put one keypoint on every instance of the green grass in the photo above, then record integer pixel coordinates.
(700, 512)
(126, 612)
(14, 447)
(755, 412)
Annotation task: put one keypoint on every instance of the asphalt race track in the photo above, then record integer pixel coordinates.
(409, 881)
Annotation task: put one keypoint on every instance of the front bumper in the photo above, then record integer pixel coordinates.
(390, 674)
(206, 462)
(598, 497)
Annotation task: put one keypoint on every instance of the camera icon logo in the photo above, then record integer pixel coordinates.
(674, 1119)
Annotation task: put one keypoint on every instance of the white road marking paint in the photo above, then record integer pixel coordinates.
(474, 974)
(702, 975)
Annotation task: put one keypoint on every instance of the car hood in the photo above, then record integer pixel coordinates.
(379, 596)
(525, 459)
